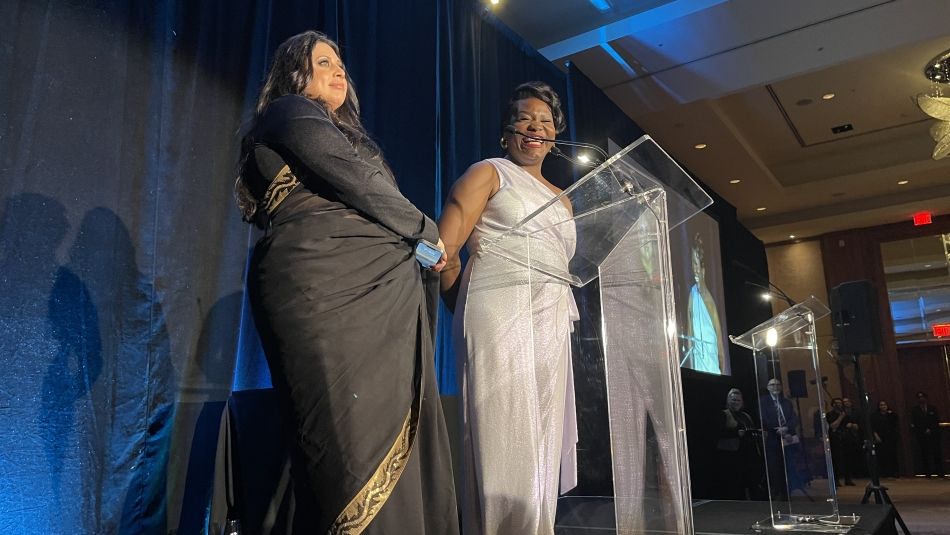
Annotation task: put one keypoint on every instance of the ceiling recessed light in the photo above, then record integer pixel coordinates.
(791, 236)
(699, 146)
(927, 265)
(902, 182)
(734, 181)
(828, 96)
(760, 209)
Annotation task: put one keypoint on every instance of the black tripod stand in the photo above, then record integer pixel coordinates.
(870, 451)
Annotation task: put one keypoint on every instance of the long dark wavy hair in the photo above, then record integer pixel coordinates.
(290, 72)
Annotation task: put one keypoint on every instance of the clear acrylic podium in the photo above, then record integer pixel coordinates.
(794, 431)
(621, 213)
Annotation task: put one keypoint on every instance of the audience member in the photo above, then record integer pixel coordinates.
(782, 443)
(841, 439)
(740, 456)
(925, 423)
(884, 426)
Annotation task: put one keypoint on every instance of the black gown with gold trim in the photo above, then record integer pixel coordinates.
(347, 325)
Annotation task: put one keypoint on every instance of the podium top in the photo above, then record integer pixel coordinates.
(782, 324)
(641, 184)
(639, 167)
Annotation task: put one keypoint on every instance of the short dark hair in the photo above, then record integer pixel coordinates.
(540, 91)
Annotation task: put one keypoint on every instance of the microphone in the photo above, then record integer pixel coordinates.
(771, 289)
(556, 151)
(626, 185)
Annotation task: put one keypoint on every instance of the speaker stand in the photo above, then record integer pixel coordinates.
(870, 451)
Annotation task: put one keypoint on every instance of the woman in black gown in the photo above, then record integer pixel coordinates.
(341, 306)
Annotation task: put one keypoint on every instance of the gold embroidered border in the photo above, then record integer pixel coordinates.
(361, 510)
(279, 188)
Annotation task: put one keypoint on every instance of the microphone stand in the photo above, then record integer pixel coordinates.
(769, 292)
(772, 289)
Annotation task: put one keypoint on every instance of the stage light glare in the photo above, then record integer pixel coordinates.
(584, 158)
(771, 337)
(495, 2)
(766, 296)
(671, 329)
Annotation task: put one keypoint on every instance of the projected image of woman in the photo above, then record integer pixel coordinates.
(339, 301)
(704, 330)
(512, 334)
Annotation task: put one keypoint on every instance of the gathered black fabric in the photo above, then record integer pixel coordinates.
(345, 318)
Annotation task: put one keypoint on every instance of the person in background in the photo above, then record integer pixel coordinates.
(884, 426)
(841, 441)
(739, 451)
(782, 443)
(855, 429)
(926, 427)
(339, 301)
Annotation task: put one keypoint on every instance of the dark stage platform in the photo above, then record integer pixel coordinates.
(594, 516)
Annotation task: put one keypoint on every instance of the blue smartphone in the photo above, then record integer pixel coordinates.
(427, 254)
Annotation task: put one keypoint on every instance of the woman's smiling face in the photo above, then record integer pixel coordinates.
(532, 116)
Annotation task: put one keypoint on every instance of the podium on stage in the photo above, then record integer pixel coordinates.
(794, 432)
(621, 213)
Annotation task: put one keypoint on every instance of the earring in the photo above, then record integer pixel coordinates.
(503, 142)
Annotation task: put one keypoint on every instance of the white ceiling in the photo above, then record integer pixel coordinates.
(746, 78)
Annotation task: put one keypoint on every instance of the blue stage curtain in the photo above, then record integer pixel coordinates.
(123, 321)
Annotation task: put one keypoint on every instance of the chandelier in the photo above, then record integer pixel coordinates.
(936, 105)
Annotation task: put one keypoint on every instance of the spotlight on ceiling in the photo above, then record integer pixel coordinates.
(828, 96)
(699, 146)
(760, 209)
(734, 181)
(902, 182)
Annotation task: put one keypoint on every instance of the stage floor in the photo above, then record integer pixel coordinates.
(594, 516)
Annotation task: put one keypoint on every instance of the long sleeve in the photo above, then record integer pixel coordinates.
(301, 131)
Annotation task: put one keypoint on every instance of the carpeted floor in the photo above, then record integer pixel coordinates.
(924, 504)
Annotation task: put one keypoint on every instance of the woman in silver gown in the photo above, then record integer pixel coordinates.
(512, 329)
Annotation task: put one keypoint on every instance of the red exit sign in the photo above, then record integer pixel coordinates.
(922, 218)
(940, 329)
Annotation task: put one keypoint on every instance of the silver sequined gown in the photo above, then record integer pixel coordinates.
(512, 341)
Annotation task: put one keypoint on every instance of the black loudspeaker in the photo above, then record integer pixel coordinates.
(855, 319)
(796, 384)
